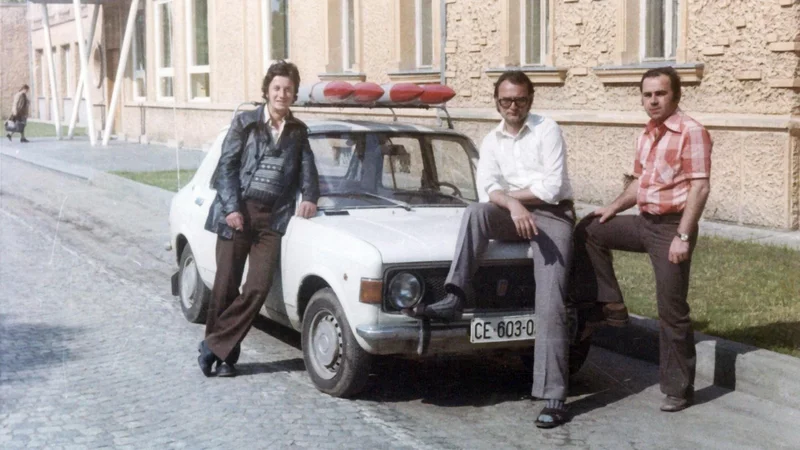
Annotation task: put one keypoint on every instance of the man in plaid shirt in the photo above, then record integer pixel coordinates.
(670, 188)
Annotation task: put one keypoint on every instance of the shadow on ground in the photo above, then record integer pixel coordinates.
(28, 348)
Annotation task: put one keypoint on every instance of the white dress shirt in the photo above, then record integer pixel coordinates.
(534, 159)
(275, 132)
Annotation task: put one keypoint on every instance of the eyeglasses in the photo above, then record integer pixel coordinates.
(506, 102)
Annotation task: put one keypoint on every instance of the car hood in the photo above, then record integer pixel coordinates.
(419, 235)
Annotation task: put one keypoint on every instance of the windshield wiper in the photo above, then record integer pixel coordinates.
(403, 205)
(434, 192)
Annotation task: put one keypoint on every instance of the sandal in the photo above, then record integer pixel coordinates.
(551, 418)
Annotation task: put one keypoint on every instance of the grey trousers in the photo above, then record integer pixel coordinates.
(552, 257)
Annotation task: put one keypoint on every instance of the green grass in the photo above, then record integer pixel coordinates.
(38, 129)
(170, 180)
(740, 291)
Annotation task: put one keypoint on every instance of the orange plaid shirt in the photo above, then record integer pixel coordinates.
(668, 157)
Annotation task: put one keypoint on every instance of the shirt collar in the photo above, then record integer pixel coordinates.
(673, 122)
(500, 130)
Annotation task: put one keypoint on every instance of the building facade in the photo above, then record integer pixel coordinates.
(14, 62)
(193, 61)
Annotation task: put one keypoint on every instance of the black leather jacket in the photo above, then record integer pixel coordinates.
(245, 143)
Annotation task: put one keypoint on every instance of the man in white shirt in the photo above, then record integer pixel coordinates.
(525, 195)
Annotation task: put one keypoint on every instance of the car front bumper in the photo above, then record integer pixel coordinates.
(413, 339)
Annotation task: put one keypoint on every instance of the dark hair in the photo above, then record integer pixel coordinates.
(514, 77)
(281, 68)
(24, 87)
(674, 80)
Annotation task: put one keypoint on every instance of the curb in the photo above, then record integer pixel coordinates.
(141, 193)
(731, 365)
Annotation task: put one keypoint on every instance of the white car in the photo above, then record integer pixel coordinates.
(392, 197)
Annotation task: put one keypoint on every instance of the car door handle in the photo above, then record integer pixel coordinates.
(199, 201)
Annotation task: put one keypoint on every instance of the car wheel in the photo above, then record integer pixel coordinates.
(336, 363)
(579, 344)
(193, 293)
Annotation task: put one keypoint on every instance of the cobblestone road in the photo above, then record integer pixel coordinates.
(94, 352)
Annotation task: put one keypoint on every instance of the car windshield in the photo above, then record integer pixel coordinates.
(392, 170)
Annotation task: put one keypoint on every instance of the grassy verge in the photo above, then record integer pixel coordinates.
(740, 291)
(38, 129)
(170, 180)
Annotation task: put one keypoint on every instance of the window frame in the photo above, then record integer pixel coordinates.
(418, 44)
(266, 33)
(135, 53)
(163, 72)
(543, 38)
(191, 67)
(671, 9)
(68, 70)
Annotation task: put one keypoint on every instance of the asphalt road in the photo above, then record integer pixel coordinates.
(94, 352)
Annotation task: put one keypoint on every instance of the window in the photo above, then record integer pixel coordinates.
(139, 49)
(348, 35)
(423, 20)
(165, 72)
(67, 68)
(275, 26)
(197, 49)
(533, 39)
(659, 29)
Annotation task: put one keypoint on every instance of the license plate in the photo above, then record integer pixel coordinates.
(485, 329)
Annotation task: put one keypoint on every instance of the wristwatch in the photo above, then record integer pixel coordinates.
(683, 237)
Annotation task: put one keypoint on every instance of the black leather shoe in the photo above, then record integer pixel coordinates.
(448, 309)
(23, 140)
(205, 359)
(226, 370)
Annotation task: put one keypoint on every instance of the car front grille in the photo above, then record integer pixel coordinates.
(493, 288)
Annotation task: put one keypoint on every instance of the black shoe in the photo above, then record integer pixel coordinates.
(21, 140)
(551, 417)
(9, 137)
(226, 370)
(448, 309)
(206, 358)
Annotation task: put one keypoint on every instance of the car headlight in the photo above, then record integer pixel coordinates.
(405, 290)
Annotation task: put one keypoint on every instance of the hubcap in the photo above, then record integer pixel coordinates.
(326, 344)
(188, 283)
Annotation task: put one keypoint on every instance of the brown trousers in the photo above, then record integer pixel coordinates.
(595, 280)
(231, 313)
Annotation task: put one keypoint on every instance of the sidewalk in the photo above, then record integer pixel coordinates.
(731, 365)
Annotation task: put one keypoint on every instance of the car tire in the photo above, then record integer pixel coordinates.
(193, 294)
(334, 360)
(579, 344)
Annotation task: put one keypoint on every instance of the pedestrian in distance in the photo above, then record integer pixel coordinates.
(525, 196)
(670, 187)
(20, 106)
(266, 157)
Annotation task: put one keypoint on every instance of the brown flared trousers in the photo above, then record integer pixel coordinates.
(231, 313)
(594, 279)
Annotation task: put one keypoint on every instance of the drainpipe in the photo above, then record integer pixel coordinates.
(31, 65)
(442, 42)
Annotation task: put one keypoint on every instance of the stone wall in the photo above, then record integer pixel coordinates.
(14, 59)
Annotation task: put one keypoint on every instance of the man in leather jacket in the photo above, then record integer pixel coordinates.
(266, 158)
